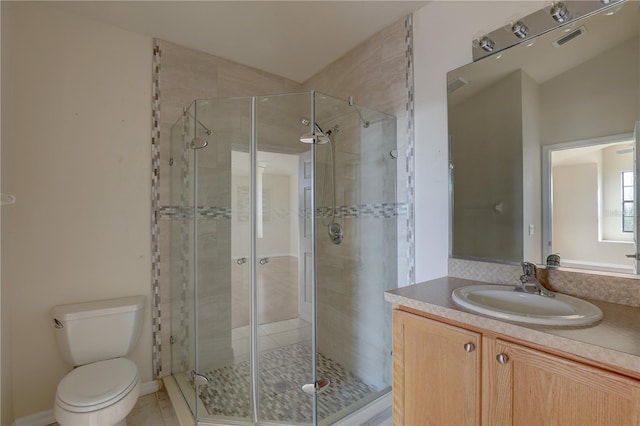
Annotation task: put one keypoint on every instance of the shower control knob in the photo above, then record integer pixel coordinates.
(241, 260)
(264, 260)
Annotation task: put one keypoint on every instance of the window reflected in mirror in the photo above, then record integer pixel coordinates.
(592, 203)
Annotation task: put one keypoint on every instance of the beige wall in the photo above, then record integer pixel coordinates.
(599, 106)
(488, 198)
(76, 155)
(6, 394)
(531, 171)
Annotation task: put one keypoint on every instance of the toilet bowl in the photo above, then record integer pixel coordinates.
(98, 394)
(95, 337)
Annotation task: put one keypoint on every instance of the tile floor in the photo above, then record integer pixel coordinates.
(270, 336)
(151, 410)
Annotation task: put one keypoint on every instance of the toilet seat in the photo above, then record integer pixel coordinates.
(97, 385)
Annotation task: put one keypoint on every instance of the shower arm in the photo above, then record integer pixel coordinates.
(365, 123)
(207, 131)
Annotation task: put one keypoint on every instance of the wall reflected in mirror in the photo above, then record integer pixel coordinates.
(541, 136)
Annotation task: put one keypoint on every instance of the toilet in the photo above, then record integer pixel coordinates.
(94, 337)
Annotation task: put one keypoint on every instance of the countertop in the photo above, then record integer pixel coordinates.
(614, 341)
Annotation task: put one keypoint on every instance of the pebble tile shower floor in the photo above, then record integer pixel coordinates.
(282, 373)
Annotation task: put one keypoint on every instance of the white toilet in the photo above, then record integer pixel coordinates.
(94, 337)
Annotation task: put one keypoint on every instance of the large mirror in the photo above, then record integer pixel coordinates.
(542, 147)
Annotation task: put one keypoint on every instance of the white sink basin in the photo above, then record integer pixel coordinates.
(505, 303)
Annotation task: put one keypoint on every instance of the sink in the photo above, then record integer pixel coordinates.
(505, 303)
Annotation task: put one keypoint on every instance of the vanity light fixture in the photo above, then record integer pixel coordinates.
(564, 13)
(486, 44)
(559, 12)
(519, 29)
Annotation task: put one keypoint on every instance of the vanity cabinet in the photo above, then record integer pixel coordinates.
(439, 380)
(436, 372)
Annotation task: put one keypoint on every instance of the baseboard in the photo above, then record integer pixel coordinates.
(44, 418)
(149, 387)
(370, 411)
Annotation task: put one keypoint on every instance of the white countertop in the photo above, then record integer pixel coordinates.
(614, 341)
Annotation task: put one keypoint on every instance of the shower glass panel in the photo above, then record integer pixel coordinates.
(181, 225)
(223, 258)
(281, 249)
(356, 252)
(284, 337)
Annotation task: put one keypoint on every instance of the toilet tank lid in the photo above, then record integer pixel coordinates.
(98, 308)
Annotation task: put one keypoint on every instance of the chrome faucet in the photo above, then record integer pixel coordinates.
(529, 281)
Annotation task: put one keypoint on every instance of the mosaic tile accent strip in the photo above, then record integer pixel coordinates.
(376, 211)
(282, 372)
(590, 285)
(156, 314)
(185, 212)
(410, 158)
(185, 308)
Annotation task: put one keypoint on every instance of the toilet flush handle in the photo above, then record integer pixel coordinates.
(57, 324)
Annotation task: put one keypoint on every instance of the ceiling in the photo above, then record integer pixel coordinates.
(293, 39)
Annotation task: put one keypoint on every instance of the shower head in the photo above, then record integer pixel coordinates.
(318, 137)
(199, 142)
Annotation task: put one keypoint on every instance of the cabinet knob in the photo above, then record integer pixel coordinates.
(469, 347)
(502, 358)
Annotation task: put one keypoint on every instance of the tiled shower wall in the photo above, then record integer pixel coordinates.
(378, 75)
(355, 321)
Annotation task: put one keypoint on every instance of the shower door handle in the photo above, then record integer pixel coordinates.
(317, 387)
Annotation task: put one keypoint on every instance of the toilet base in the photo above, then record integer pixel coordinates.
(113, 415)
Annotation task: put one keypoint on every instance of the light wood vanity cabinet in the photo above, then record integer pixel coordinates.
(437, 380)
(436, 372)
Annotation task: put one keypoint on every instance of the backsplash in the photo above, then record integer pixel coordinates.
(623, 290)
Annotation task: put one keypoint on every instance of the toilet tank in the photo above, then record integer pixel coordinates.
(95, 331)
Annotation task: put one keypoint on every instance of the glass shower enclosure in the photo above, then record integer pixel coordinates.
(283, 240)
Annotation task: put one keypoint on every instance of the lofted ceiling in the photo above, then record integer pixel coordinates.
(293, 39)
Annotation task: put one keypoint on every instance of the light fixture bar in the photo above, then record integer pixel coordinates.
(557, 14)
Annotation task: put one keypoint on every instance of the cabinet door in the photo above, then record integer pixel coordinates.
(436, 373)
(529, 387)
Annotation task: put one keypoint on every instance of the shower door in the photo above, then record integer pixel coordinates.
(284, 336)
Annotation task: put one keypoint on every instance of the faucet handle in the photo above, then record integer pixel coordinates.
(529, 269)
